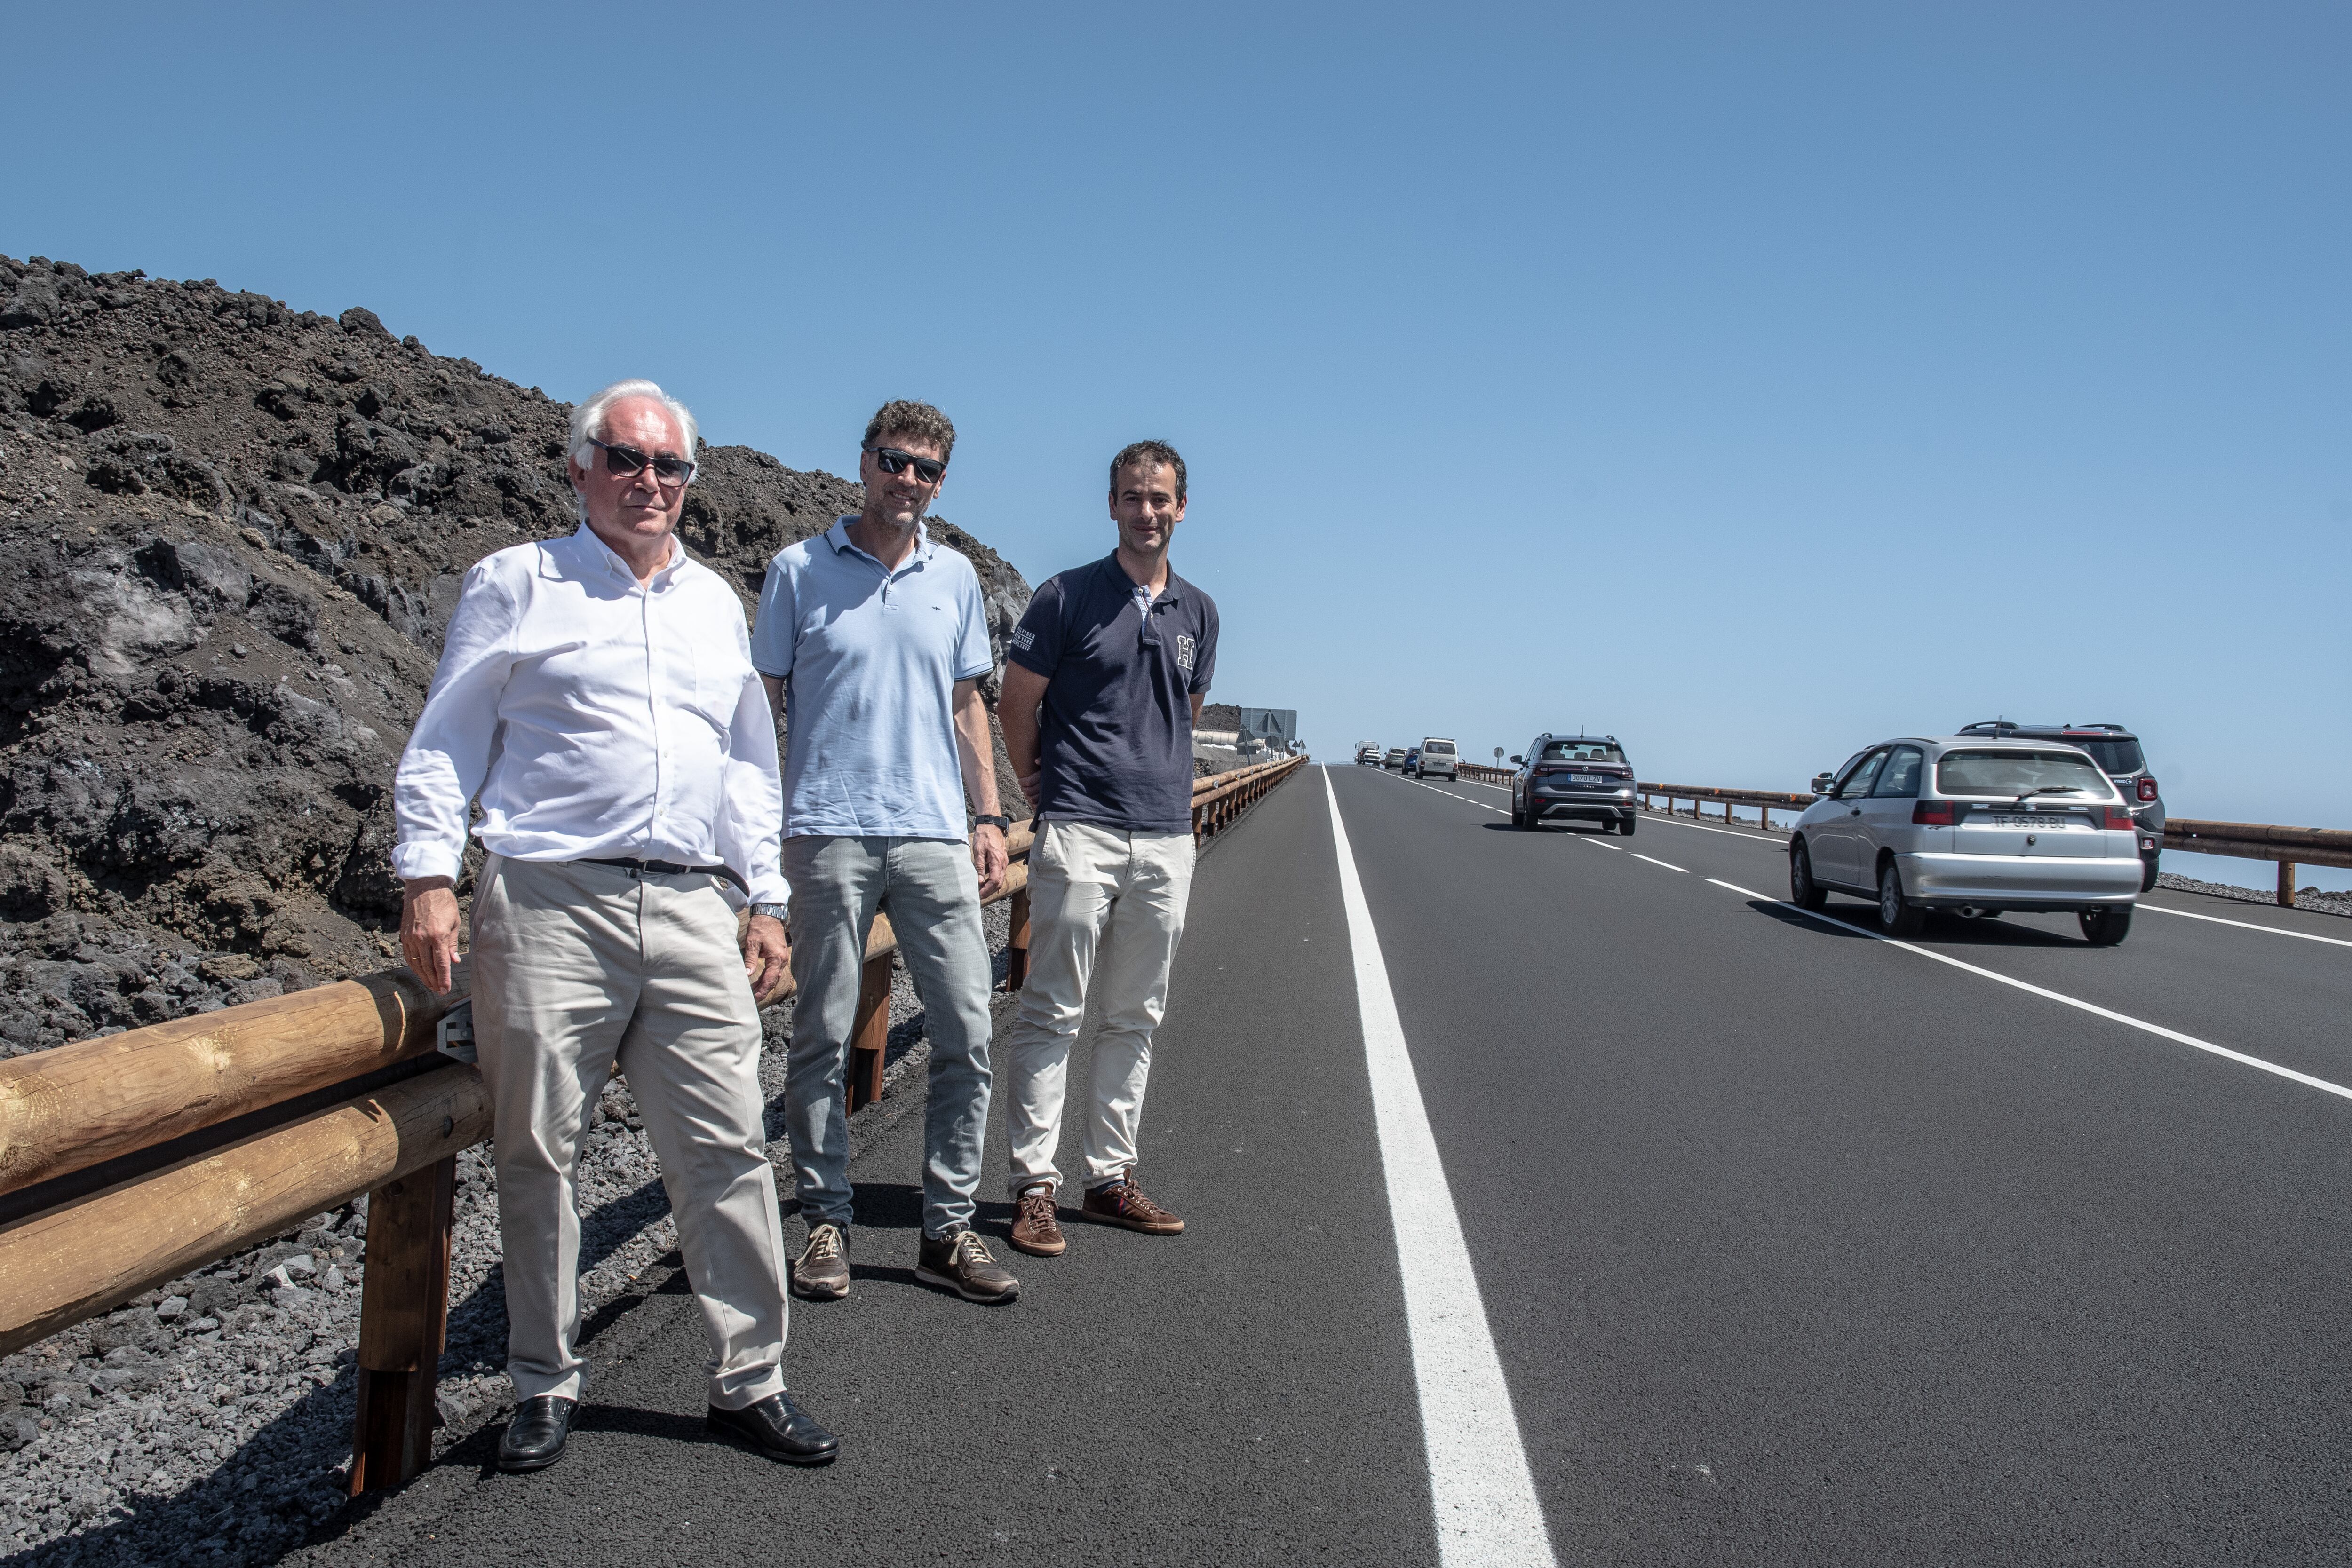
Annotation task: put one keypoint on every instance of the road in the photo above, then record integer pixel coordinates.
(1780, 1242)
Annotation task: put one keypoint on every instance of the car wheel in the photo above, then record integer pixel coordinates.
(2147, 874)
(1897, 916)
(2104, 927)
(1625, 826)
(1518, 818)
(1803, 891)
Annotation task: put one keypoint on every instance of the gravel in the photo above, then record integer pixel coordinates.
(2310, 898)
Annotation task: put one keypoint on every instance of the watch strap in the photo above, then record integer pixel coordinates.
(990, 820)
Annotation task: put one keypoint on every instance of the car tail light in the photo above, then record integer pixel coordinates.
(1934, 813)
(2119, 818)
(2148, 789)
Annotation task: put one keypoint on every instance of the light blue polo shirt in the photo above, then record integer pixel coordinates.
(869, 658)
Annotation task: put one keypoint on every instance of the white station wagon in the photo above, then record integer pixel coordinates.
(1974, 826)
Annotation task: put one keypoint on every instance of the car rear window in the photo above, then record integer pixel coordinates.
(1581, 751)
(2016, 772)
(1443, 746)
(2115, 756)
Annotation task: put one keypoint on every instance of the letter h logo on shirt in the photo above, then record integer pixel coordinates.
(1184, 652)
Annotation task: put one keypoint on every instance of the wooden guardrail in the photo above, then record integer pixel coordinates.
(1765, 800)
(129, 1160)
(1484, 773)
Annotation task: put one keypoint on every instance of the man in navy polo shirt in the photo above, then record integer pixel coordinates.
(872, 640)
(1104, 681)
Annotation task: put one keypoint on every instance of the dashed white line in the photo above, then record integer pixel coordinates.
(1603, 844)
(1754, 837)
(1683, 869)
(2240, 1057)
(1481, 1489)
(2249, 925)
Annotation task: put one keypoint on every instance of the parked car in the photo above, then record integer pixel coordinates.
(1437, 759)
(1369, 753)
(1394, 758)
(2116, 752)
(1578, 777)
(1975, 824)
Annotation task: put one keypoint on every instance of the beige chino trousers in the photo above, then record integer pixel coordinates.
(575, 965)
(1105, 913)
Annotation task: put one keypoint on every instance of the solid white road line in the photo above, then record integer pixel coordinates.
(1487, 1512)
(1638, 856)
(2240, 1057)
(2249, 925)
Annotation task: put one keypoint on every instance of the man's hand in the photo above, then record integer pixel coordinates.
(1029, 784)
(428, 930)
(987, 858)
(767, 956)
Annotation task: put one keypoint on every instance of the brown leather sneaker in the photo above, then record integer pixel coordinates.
(821, 1274)
(960, 1261)
(1034, 1227)
(1122, 1202)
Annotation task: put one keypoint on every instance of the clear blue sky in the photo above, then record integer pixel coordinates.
(1750, 381)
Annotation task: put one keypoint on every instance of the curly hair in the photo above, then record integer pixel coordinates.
(904, 416)
(1149, 452)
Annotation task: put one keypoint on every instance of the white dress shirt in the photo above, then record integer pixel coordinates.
(597, 720)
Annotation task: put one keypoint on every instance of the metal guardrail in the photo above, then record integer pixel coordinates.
(129, 1160)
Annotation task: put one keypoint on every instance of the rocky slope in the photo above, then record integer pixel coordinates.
(237, 531)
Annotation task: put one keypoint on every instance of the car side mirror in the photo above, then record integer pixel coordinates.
(1821, 782)
(1519, 761)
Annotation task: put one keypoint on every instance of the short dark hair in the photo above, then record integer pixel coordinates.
(904, 416)
(1158, 451)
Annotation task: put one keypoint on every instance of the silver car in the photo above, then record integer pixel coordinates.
(1973, 825)
(1437, 759)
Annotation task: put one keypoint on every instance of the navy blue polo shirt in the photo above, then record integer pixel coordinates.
(1115, 741)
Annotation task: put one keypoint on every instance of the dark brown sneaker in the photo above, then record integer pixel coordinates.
(821, 1271)
(1034, 1227)
(960, 1261)
(1122, 1202)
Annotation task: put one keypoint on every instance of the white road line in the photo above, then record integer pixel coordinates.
(1601, 843)
(1485, 1498)
(2158, 1029)
(2249, 925)
(1452, 796)
(1684, 870)
(1755, 837)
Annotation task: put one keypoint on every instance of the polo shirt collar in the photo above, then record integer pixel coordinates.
(838, 538)
(1169, 594)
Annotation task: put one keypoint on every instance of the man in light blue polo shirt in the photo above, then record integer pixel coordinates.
(872, 640)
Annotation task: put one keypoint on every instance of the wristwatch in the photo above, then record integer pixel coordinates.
(992, 820)
(772, 911)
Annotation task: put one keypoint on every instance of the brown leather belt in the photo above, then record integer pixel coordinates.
(671, 868)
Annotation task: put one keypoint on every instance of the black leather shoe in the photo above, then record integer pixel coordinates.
(534, 1438)
(778, 1428)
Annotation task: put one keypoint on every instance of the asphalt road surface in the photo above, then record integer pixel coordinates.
(1791, 1245)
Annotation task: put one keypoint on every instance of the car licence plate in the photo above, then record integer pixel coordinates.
(1586, 779)
(2040, 825)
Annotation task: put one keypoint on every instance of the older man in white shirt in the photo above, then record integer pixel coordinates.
(596, 694)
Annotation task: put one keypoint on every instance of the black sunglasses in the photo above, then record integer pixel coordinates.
(672, 472)
(893, 461)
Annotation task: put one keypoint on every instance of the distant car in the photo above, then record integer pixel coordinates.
(2116, 752)
(1974, 824)
(1437, 759)
(1394, 758)
(1573, 778)
(1368, 754)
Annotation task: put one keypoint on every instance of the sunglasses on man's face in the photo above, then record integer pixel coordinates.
(895, 462)
(671, 472)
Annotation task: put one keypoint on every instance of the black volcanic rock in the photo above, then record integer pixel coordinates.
(236, 530)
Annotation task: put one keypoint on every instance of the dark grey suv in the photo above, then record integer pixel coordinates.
(2116, 752)
(1573, 778)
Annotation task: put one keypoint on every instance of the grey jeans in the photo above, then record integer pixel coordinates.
(574, 966)
(932, 895)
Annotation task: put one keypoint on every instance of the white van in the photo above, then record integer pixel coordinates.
(1437, 759)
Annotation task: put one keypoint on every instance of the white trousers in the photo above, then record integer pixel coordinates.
(1105, 906)
(576, 965)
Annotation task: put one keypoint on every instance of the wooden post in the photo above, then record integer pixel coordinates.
(2286, 885)
(1764, 818)
(1016, 944)
(404, 1325)
(872, 1033)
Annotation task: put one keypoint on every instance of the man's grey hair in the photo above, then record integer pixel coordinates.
(588, 419)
